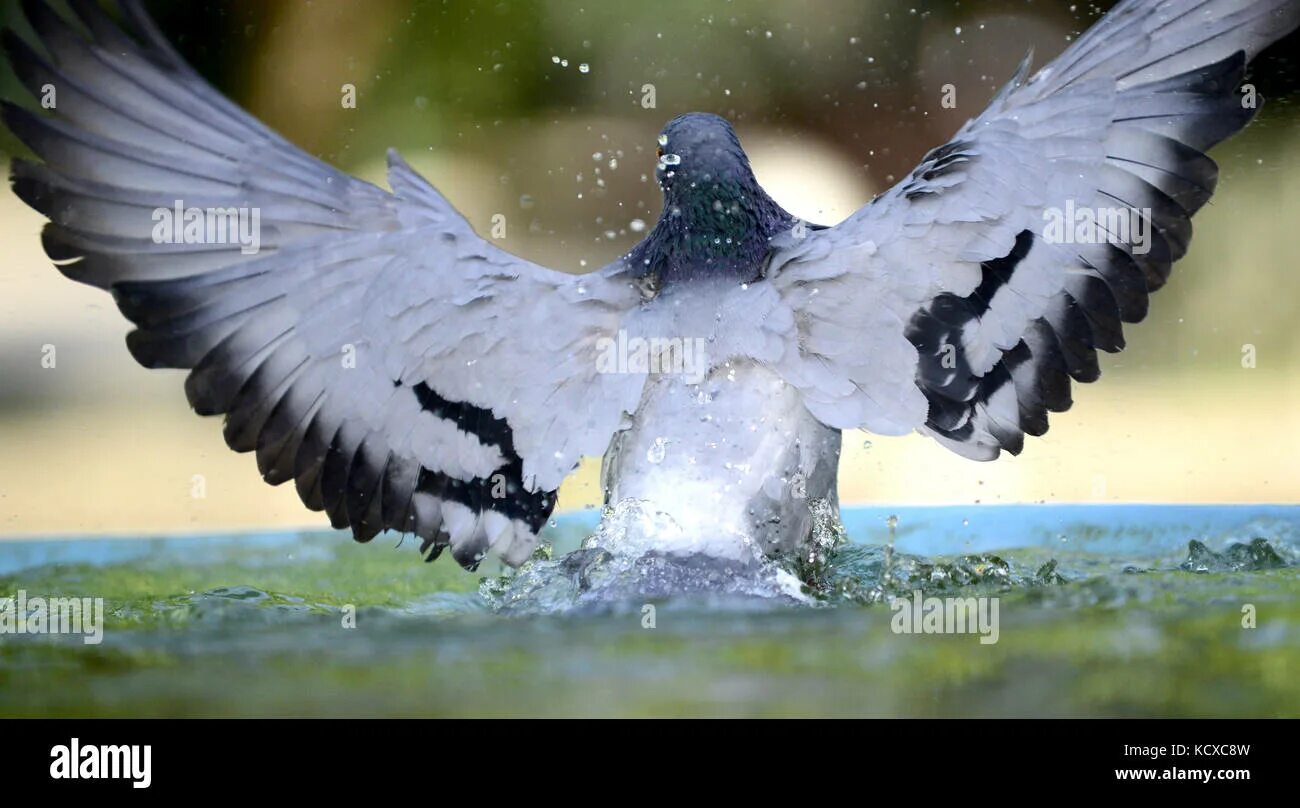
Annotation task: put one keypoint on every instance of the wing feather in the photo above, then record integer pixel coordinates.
(403, 372)
(951, 304)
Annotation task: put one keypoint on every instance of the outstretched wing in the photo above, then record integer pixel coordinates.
(402, 371)
(962, 301)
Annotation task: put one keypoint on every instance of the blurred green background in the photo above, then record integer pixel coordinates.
(535, 110)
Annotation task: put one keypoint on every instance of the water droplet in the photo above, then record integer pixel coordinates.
(584, 68)
(525, 201)
(891, 522)
(656, 453)
(663, 140)
(671, 159)
(636, 225)
(866, 444)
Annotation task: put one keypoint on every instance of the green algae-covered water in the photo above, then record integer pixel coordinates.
(1101, 611)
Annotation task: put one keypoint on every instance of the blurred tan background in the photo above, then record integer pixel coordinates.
(534, 110)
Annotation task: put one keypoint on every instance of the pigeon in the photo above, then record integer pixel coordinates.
(407, 375)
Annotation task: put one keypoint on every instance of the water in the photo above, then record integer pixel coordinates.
(1103, 610)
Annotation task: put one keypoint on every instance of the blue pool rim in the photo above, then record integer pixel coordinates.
(1115, 529)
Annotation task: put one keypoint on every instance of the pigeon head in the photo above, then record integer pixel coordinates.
(697, 149)
(716, 217)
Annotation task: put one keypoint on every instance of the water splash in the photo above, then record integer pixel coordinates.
(1254, 556)
(620, 564)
